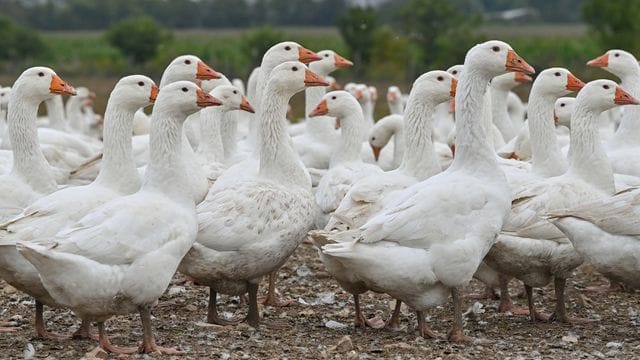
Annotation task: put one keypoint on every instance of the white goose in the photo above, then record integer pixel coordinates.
(431, 239)
(250, 228)
(530, 248)
(41, 220)
(623, 147)
(31, 176)
(390, 126)
(346, 165)
(370, 194)
(395, 101)
(112, 263)
(500, 89)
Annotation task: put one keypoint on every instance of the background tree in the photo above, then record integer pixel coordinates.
(357, 28)
(255, 43)
(615, 23)
(18, 42)
(138, 38)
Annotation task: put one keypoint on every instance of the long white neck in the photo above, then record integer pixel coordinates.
(419, 158)
(118, 170)
(278, 160)
(369, 121)
(500, 114)
(474, 151)
(589, 161)
(28, 160)
(399, 143)
(228, 133)
(55, 112)
(546, 157)
(211, 147)
(628, 133)
(261, 85)
(348, 148)
(167, 172)
(395, 107)
(74, 114)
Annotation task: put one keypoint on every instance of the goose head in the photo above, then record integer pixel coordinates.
(373, 93)
(338, 104)
(4, 97)
(350, 87)
(288, 51)
(601, 95)
(38, 84)
(618, 62)
(361, 93)
(231, 98)
(292, 77)
(557, 82)
(455, 70)
(394, 95)
(208, 85)
(496, 57)
(380, 135)
(435, 86)
(508, 81)
(333, 84)
(329, 62)
(187, 67)
(183, 98)
(134, 92)
(562, 110)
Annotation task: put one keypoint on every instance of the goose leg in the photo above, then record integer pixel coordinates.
(272, 297)
(148, 340)
(360, 320)
(394, 322)
(6, 326)
(212, 314)
(107, 346)
(84, 332)
(506, 305)
(41, 332)
(489, 293)
(425, 330)
(253, 317)
(614, 286)
(535, 315)
(456, 333)
(560, 313)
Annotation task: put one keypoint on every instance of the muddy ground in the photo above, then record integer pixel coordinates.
(318, 325)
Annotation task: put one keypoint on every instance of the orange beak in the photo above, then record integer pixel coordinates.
(60, 87)
(601, 61)
(454, 85)
(624, 98)
(452, 105)
(337, 124)
(313, 79)
(154, 93)
(341, 62)
(516, 63)
(335, 86)
(376, 151)
(92, 95)
(321, 109)
(555, 118)
(306, 56)
(514, 156)
(522, 78)
(359, 94)
(573, 83)
(205, 99)
(244, 105)
(206, 73)
(391, 97)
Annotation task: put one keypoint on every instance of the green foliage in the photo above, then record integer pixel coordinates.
(440, 31)
(357, 28)
(615, 23)
(255, 43)
(138, 38)
(18, 41)
(391, 56)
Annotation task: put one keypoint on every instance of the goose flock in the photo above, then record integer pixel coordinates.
(461, 180)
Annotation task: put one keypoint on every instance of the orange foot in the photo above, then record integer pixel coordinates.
(374, 323)
(273, 301)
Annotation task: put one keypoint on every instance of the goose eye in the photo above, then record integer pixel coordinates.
(287, 48)
(333, 97)
(440, 78)
(373, 138)
(616, 54)
(41, 74)
(605, 87)
(188, 62)
(454, 72)
(557, 73)
(495, 48)
(140, 83)
(562, 105)
(235, 91)
(295, 68)
(185, 89)
(326, 55)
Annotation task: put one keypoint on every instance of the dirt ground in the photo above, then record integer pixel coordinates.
(318, 325)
